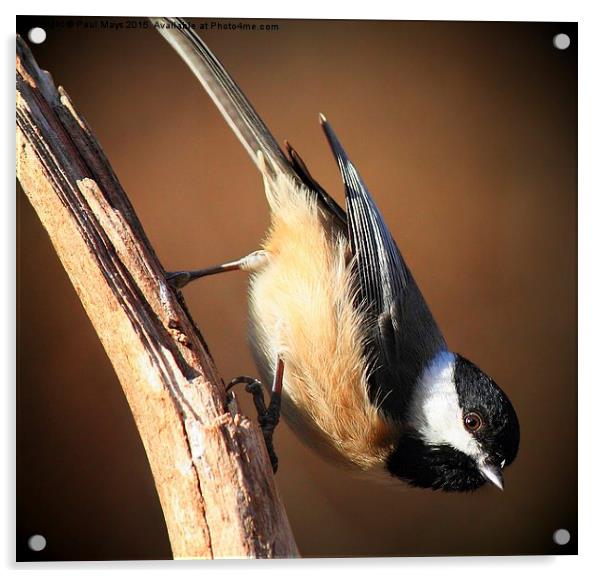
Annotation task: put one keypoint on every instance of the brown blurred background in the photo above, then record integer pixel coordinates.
(465, 134)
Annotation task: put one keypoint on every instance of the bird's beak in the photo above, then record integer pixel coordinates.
(492, 474)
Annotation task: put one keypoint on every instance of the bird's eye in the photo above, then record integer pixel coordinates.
(473, 422)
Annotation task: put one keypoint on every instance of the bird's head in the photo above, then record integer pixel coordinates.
(461, 429)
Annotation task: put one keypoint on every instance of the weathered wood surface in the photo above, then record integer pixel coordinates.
(209, 463)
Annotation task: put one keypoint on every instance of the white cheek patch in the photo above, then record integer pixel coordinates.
(436, 411)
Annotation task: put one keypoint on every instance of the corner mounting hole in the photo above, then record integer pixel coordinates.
(561, 41)
(561, 537)
(37, 542)
(37, 35)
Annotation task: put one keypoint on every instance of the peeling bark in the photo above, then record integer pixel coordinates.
(209, 463)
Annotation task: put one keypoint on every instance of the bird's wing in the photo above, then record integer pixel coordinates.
(237, 110)
(403, 336)
(335, 210)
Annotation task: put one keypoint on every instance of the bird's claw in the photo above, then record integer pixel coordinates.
(267, 417)
(178, 279)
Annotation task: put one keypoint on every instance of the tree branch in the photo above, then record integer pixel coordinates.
(209, 462)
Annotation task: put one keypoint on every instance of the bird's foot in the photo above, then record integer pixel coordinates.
(267, 417)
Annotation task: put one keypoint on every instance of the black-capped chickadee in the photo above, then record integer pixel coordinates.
(340, 328)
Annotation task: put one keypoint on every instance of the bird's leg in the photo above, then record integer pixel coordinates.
(267, 417)
(252, 262)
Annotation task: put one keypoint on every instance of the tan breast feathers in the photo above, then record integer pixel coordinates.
(301, 309)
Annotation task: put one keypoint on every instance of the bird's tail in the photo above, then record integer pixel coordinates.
(229, 99)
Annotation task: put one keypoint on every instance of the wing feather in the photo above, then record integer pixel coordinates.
(404, 336)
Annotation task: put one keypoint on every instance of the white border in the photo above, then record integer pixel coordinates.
(551, 10)
(590, 255)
